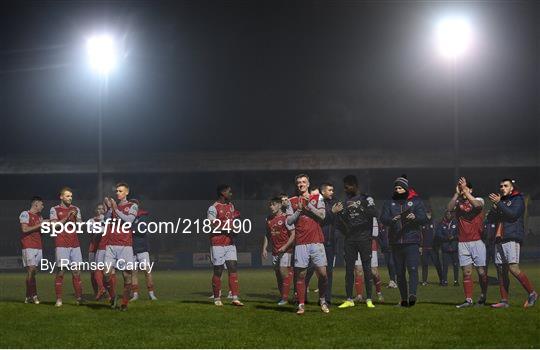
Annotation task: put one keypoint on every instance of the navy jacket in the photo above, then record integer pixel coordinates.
(355, 221)
(329, 225)
(428, 235)
(383, 238)
(488, 236)
(404, 231)
(140, 240)
(509, 211)
(447, 233)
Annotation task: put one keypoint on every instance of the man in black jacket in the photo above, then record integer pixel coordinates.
(355, 221)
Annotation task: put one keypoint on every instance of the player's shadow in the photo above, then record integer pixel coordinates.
(275, 308)
(201, 302)
(97, 306)
(18, 301)
(202, 294)
(438, 303)
(263, 296)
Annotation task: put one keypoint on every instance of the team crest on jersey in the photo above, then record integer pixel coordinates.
(453, 226)
(509, 203)
(313, 202)
(280, 222)
(393, 203)
(409, 204)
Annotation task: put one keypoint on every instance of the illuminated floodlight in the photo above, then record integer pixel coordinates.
(453, 37)
(102, 53)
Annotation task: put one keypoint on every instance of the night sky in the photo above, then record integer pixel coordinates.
(267, 75)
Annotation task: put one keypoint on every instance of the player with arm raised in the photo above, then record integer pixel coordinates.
(67, 249)
(281, 236)
(32, 253)
(119, 249)
(471, 249)
(223, 251)
(306, 212)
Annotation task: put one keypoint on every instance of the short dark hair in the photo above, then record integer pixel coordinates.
(325, 185)
(300, 176)
(122, 184)
(221, 188)
(350, 180)
(513, 182)
(276, 199)
(65, 189)
(36, 199)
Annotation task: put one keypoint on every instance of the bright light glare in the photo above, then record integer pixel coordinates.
(454, 37)
(102, 53)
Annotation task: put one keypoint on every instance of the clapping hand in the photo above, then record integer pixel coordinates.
(495, 198)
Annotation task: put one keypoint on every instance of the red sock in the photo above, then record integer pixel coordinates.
(149, 286)
(58, 282)
(135, 288)
(286, 286)
(126, 294)
(93, 280)
(28, 287)
(233, 284)
(77, 285)
(98, 276)
(33, 286)
(216, 285)
(301, 289)
(522, 278)
(468, 286)
(377, 282)
(502, 275)
(111, 285)
(359, 284)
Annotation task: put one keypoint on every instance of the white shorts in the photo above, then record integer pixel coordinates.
(73, 255)
(315, 252)
(472, 253)
(219, 254)
(31, 257)
(285, 260)
(374, 260)
(143, 257)
(511, 252)
(119, 256)
(100, 256)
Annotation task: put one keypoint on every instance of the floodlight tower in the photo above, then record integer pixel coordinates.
(453, 39)
(103, 59)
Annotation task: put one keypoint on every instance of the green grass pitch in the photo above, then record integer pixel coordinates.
(184, 317)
